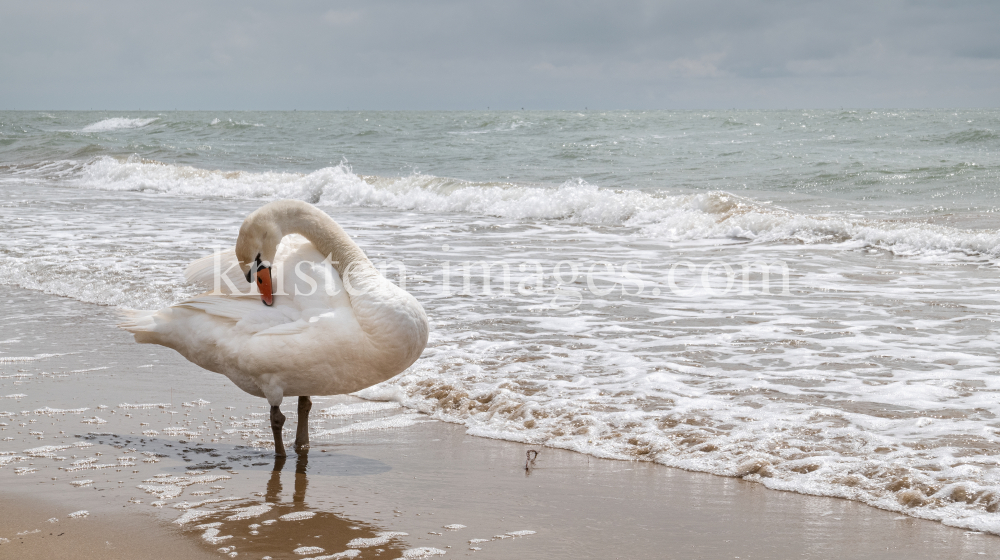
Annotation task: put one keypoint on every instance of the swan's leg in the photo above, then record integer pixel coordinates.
(302, 430)
(277, 422)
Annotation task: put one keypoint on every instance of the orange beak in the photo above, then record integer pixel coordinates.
(264, 285)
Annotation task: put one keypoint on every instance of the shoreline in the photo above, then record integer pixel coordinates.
(574, 506)
(157, 429)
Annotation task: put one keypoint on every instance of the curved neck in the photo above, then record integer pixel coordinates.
(394, 323)
(293, 216)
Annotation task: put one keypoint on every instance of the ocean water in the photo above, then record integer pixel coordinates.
(805, 299)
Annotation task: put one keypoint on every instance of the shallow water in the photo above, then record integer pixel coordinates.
(863, 368)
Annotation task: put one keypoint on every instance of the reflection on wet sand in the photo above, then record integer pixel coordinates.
(301, 480)
(280, 528)
(266, 525)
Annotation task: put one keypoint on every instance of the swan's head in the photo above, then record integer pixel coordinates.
(255, 249)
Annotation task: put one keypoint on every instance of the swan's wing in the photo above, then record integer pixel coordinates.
(213, 271)
(248, 315)
(234, 308)
(203, 272)
(295, 327)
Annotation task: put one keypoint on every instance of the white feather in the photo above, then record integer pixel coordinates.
(202, 272)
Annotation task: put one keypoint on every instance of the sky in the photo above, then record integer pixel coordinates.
(535, 54)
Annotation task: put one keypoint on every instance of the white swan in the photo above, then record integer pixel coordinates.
(319, 320)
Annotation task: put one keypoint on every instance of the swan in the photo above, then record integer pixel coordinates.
(316, 319)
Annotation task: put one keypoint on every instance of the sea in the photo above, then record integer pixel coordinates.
(804, 299)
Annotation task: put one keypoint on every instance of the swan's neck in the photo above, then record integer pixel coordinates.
(394, 322)
(326, 235)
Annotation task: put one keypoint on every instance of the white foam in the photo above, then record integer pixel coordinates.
(45, 451)
(8, 459)
(178, 431)
(186, 505)
(212, 536)
(162, 492)
(352, 553)
(90, 464)
(144, 406)
(117, 123)
(304, 550)
(249, 512)
(193, 515)
(380, 539)
(357, 408)
(50, 411)
(201, 478)
(296, 516)
(79, 514)
(422, 552)
(232, 123)
(392, 422)
(244, 424)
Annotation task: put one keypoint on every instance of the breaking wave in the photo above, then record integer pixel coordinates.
(710, 215)
(117, 123)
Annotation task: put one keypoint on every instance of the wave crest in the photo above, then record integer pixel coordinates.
(117, 123)
(682, 217)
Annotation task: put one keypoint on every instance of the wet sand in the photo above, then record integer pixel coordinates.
(44, 531)
(383, 481)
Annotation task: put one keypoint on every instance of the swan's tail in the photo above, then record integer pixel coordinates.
(140, 323)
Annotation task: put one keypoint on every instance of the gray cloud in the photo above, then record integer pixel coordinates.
(445, 54)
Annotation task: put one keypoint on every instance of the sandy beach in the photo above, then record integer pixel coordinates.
(101, 534)
(158, 455)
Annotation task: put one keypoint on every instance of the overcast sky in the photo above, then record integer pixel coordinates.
(536, 54)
